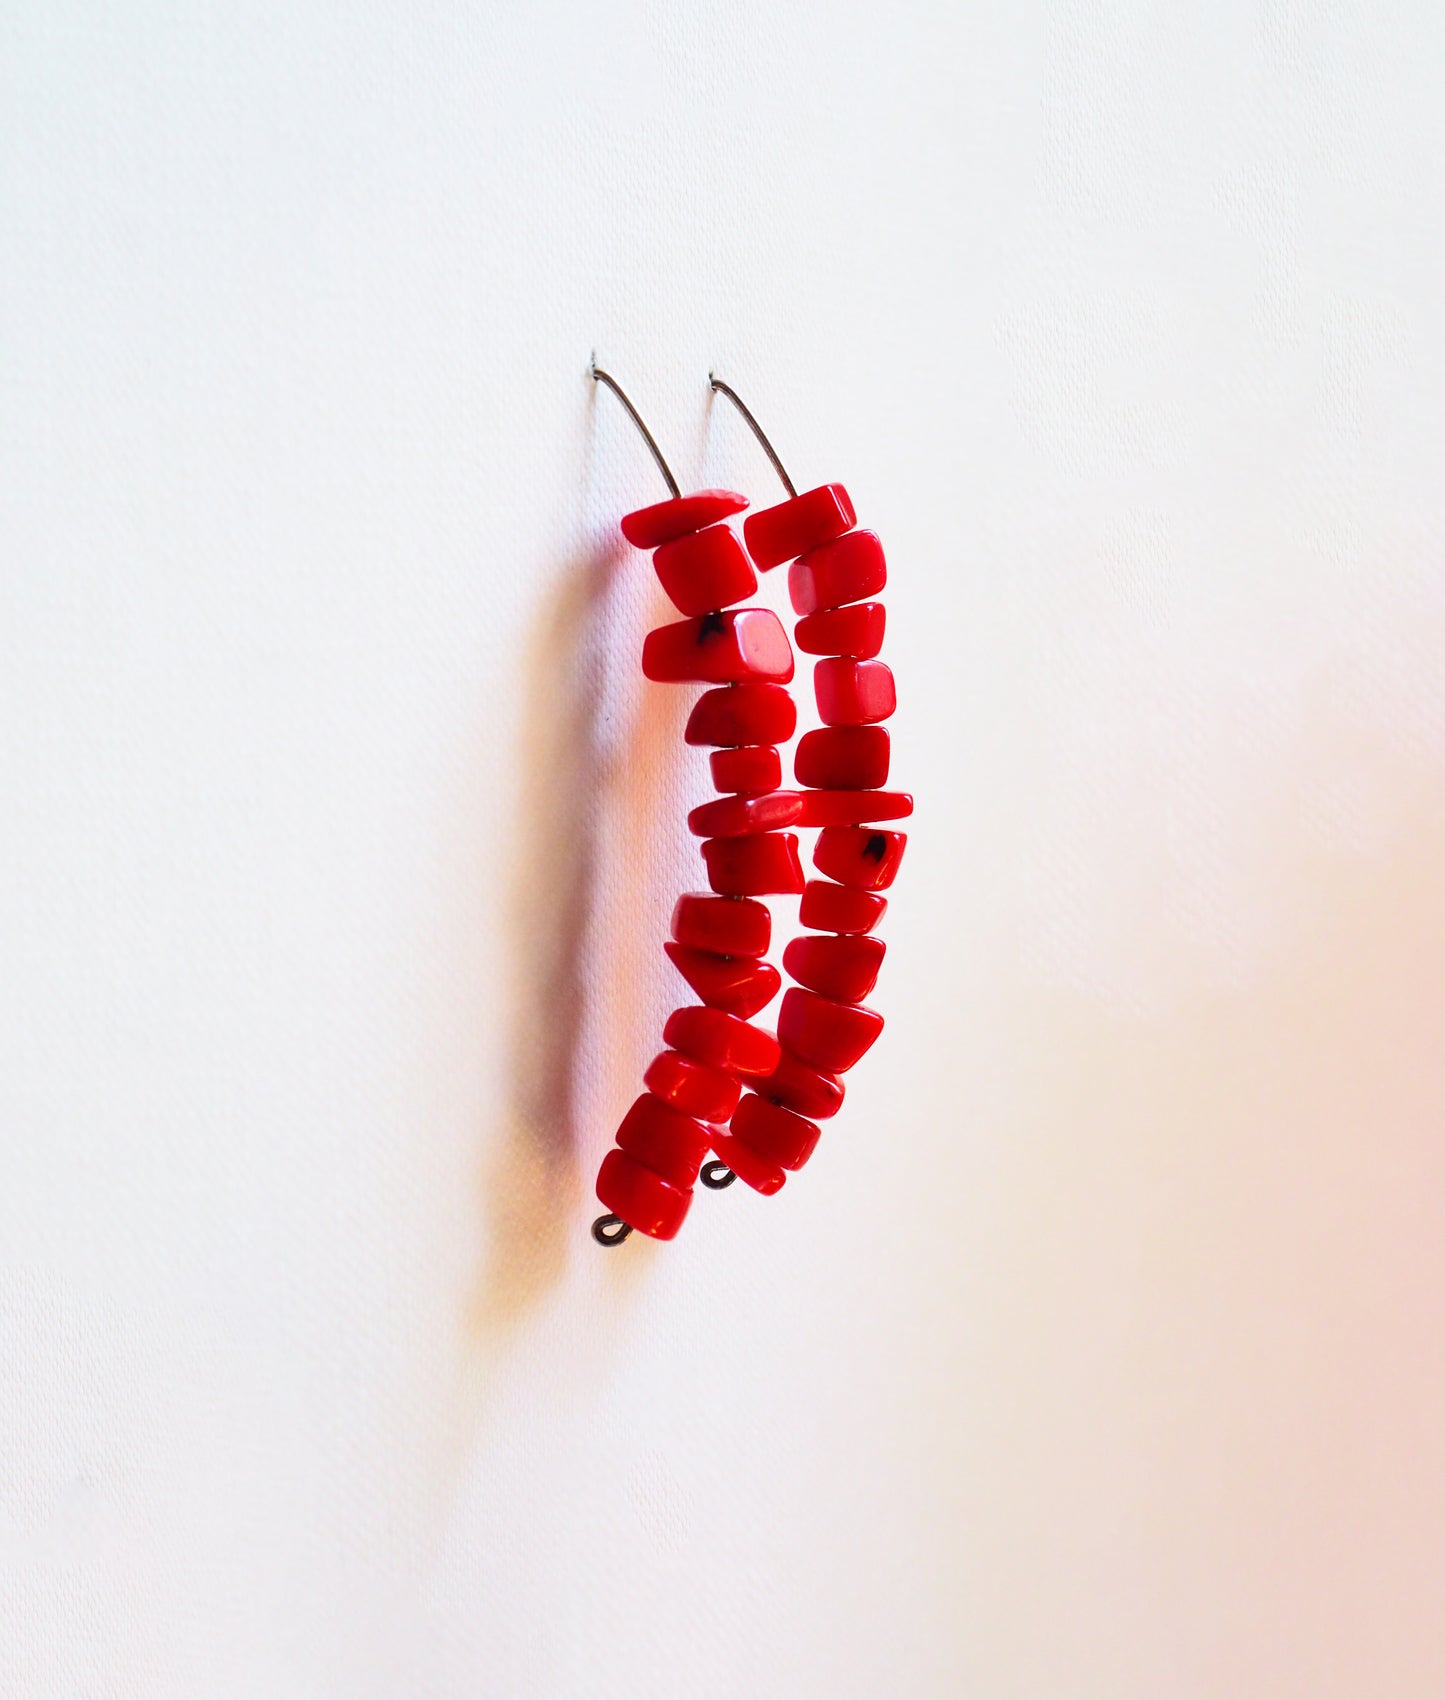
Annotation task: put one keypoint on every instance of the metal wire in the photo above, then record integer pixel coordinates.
(601, 377)
(755, 428)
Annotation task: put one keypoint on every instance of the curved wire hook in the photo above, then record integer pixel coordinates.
(601, 377)
(716, 383)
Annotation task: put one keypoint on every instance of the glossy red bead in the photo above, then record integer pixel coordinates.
(664, 1139)
(853, 693)
(799, 1086)
(856, 631)
(708, 570)
(742, 714)
(859, 856)
(648, 528)
(710, 1094)
(840, 908)
(741, 985)
(738, 817)
(753, 867)
(750, 770)
(821, 1031)
(845, 570)
(730, 926)
(773, 1133)
(847, 808)
(720, 1040)
(777, 534)
(835, 965)
(747, 643)
(754, 1171)
(641, 1197)
(843, 758)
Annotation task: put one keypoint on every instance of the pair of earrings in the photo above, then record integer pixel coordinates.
(694, 1101)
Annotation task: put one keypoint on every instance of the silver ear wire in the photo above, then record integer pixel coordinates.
(601, 377)
(756, 429)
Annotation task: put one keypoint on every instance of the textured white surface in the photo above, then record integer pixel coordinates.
(1097, 1354)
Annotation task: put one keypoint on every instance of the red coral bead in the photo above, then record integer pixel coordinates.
(799, 1086)
(749, 643)
(751, 770)
(753, 867)
(640, 1197)
(856, 631)
(727, 925)
(847, 808)
(845, 570)
(840, 908)
(721, 1041)
(826, 1033)
(777, 534)
(853, 693)
(836, 966)
(773, 1133)
(859, 856)
(664, 1139)
(738, 817)
(754, 1171)
(710, 1094)
(742, 714)
(741, 985)
(708, 570)
(843, 758)
(648, 528)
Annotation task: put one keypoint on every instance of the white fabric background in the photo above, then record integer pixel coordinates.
(1097, 1354)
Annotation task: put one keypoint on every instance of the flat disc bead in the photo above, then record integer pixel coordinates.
(708, 570)
(799, 1086)
(777, 534)
(739, 817)
(753, 867)
(853, 693)
(840, 908)
(835, 965)
(695, 1089)
(856, 631)
(859, 856)
(754, 1171)
(648, 528)
(745, 644)
(742, 714)
(721, 1041)
(664, 1139)
(777, 1135)
(821, 1031)
(640, 1197)
(847, 808)
(843, 758)
(846, 570)
(749, 771)
(728, 925)
(740, 985)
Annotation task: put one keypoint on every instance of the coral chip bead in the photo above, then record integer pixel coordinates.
(754, 866)
(649, 528)
(847, 808)
(859, 856)
(741, 985)
(710, 1094)
(723, 924)
(853, 693)
(708, 570)
(641, 1197)
(721, 648)
(856, 631)
(750, 771)
(840, 908)
(821, 1031)
(843, 758)
(773, 1133)
(845, 570)
(754, 1171)
(742, 714)
(737, 817)
(663, 1139)
(797, 1085)
(777, 534)
(721, 1041)
(836, 966)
